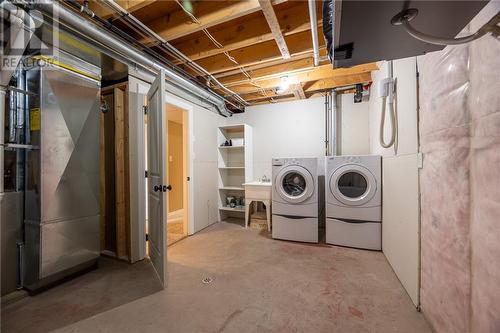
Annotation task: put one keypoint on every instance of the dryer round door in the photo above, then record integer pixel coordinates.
(353, 184)
(294, 184)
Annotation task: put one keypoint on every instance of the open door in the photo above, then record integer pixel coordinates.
(157, 173)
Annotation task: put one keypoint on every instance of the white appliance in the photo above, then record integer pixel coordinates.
(295, 199)
(354, 201)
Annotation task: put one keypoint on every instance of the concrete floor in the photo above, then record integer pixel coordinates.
(113, 284)
(264, 285)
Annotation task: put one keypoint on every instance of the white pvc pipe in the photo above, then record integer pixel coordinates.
(314, 30)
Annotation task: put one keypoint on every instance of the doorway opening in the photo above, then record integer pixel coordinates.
(177, 175)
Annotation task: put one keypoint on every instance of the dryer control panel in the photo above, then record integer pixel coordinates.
(286, 161)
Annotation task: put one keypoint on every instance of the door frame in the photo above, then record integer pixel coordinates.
(188, 108)
(140, 88)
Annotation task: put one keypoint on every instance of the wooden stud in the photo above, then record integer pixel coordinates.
(102, 182)
(120, 174)
(272, 21)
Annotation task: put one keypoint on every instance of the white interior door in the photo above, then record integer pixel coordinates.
(157, 175)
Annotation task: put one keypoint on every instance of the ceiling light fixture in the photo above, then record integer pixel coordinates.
(283, 86)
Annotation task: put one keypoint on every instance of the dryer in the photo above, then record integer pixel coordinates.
(295, 199)
(354, 201)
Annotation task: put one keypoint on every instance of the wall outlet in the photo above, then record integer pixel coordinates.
(420, 160)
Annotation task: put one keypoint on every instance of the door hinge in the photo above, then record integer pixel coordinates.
(188, 178)
(145, 173)
(145, 109)
(147, 237)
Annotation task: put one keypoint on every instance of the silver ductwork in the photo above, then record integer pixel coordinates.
(314, 30)
(21, 29)
(61, 212)
(136, 57)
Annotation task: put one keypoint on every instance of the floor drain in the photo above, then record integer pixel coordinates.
(206, 280)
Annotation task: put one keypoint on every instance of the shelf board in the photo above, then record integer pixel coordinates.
(231, 147)
(232, 188)
(236, 127)
(236, 209)
(232, 167)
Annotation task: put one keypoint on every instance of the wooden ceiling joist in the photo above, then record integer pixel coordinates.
(299, 43)
(105, 12)
(314, 74)
(245, 31)
(267, 39)
(340, 81)
(272, 21)
(309, 87)
(209, 13)
(272, 70)
(298, 91)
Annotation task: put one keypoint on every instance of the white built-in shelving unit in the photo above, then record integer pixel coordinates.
(235, 165)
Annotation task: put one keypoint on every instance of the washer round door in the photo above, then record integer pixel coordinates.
(353, 184)
(294, 184)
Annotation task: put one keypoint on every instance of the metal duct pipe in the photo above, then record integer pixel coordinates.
(12, 116)
(2, 140)
(19, 21)
(127, 15)
(314, 30)
(334, 130)
(327, 124)
(91, 30)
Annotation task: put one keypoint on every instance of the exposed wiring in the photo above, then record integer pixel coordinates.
(167, 47)
(226, 53)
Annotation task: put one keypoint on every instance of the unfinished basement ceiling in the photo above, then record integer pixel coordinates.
(234, 42)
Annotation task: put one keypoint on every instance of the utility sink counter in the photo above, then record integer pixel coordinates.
(258, 191)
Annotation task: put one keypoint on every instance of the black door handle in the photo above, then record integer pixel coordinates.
(165, 188)
(157, 188)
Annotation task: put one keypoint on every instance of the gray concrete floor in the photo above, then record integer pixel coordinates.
(264, 285)
(113, 284)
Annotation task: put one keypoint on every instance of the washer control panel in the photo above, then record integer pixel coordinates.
(345, 159)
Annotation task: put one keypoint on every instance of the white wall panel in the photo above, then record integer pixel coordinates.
(400, 214)
(355, 130)
(289, 129)
(205, 170)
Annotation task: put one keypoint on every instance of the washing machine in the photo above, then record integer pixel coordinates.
(295, 199)
(354, 201)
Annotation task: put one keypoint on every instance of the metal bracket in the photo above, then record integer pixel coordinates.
(404, 17)
(145, 109)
